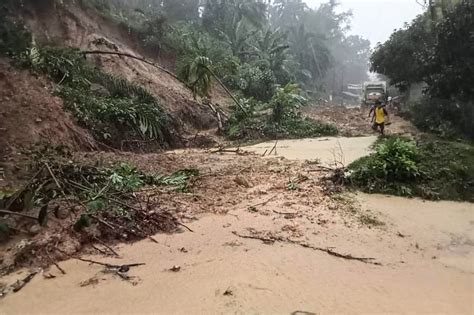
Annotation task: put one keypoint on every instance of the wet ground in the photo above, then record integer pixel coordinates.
(263, 234)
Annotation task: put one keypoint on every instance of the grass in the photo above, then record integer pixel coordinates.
(429, 168)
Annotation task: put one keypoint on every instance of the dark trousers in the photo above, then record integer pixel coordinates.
(376, 126)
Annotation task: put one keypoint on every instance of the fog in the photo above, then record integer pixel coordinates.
(376, 19)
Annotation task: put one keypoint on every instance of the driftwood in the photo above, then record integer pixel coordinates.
(329, 251)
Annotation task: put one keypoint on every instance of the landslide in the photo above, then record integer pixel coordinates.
(70, 24)
(30, 115)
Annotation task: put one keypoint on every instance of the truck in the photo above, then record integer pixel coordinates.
(374, 91)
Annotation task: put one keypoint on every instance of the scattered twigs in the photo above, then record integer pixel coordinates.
(329, 251)
(20, 192)
(264, 202)
(103, 252)
(55, 180)
(123, 267)
(183, 225)
(107, 246)
(59, 267)
(274, 148)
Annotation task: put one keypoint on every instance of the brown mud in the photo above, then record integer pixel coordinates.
(420, 253)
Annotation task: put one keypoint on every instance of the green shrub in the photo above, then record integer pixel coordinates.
(278, 119)
(431, 169)
(392, 168)
(254, 82)
(112, 108)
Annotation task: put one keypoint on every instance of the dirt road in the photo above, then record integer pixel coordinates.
(422, 254)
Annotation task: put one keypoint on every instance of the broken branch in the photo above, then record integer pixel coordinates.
(329, 251)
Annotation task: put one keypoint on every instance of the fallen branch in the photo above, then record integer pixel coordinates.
(329, 251)
(110, 266)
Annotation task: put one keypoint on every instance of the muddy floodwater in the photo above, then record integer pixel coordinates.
(328, 150)
(423, 259)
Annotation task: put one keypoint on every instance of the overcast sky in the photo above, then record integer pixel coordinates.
(376, 19)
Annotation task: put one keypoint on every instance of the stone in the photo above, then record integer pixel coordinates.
(35, 229)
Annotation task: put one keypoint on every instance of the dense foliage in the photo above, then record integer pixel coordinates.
(441, 54)
(279, 118)
(255, 48)
(252, 44)
(428, 168)
(113, 109)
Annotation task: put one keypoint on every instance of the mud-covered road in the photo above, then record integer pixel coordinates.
(253, 248)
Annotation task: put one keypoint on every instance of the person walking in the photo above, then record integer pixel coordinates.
(379, 116)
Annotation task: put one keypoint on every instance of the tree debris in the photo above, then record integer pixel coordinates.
(329, 251)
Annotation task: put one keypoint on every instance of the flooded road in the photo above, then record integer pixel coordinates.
(327, 150)
(425, 252)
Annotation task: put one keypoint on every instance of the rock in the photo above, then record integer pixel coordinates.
(61, 213)
(242, 181)
(38, 120)
(35, 229)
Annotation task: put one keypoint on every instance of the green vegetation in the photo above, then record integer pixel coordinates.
(436, 50)
(112, 108)
(429, 168)
(107, 192)
(254, 48)
(277, 119)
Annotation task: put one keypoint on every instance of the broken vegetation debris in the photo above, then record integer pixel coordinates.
(103, 202)
(270, 240)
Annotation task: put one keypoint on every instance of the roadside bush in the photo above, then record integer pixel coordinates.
(392, 168)
(430, 168)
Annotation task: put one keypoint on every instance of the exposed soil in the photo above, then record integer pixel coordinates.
(354, 122)
(30, 115)
(71, 25)
(415, 256)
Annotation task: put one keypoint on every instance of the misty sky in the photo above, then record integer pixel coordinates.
(376, 19)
